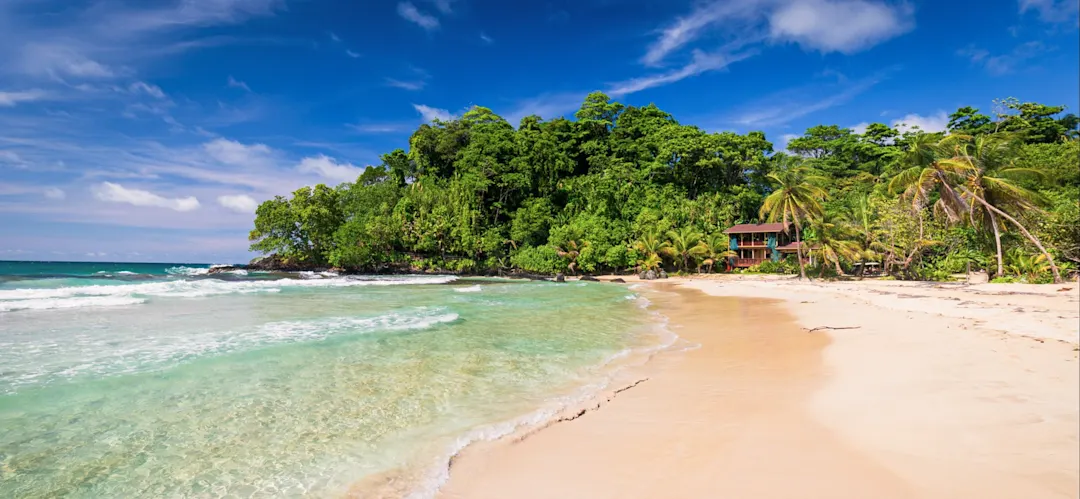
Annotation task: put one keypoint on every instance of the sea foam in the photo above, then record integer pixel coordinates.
(131, 294)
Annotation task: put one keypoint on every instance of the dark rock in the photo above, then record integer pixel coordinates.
(650, 275)
(560, 277)
(589, 278)
(663, 274)
(618, 280)
(641, 275)
(218, 269)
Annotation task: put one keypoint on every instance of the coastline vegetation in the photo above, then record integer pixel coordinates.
(623, 188)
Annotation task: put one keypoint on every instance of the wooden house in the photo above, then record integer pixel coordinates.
(756, 243)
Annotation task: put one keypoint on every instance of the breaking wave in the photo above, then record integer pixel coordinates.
(133, 294)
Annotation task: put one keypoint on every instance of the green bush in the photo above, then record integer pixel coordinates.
(538, 259)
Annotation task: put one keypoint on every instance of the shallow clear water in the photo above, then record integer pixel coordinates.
(195, 387)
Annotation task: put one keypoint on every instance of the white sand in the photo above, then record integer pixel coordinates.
(938, 391)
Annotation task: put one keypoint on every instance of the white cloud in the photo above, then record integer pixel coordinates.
(234, 153)
(814, 24)
(444, 6)
(57, 61)
(116, 193)
(1052, 11)
(334, 37)
(785, 106)
(151, 90)
(937, 122)
(234, 83)
(785, 139)
(240, 203)
(54, 193)
(376, 127)
(409, 12)
(328, 167)
(431, 113)
(1004, 63)
(701, 63)
(486, 39)
(407, 85)
(352, 54)
(860, 128)
(687, 29)
(9, 99)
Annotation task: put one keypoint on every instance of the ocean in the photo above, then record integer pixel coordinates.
(163, 380)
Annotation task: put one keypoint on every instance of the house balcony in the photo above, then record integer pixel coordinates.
(753, 244)
(748, 262)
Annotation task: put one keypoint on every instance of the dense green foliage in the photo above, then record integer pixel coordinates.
(624, 187)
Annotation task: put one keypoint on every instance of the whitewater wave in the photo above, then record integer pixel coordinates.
(99, 355)
(131, 294)
(469, 289)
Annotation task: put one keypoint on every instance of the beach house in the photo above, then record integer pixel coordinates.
(756, 243)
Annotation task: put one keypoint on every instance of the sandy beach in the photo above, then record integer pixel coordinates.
(841, 389)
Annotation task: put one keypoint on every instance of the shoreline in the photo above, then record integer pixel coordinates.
(919, 393)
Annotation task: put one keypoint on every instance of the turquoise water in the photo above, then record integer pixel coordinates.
(183, 385)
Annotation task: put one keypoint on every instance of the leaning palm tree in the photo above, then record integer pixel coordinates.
(947, 168)
(859, 220)
(795, 199)
(831, 242)
(650, 247)
(685, 244)
(991, 177)
(717, 250)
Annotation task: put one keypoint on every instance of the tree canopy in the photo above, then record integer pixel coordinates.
(624, 187)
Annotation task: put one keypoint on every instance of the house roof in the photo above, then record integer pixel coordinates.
(748, 228)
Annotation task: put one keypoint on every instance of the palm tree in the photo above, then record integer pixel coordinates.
(685, 244)
(859, 220)
(717, 250)
(571, 251)
(795, 199)
(948, 169)
(650, 246)
(990, 176)
(831, 242)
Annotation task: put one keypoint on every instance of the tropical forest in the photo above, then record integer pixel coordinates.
(622, 189)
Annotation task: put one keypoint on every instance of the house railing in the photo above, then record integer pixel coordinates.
(748, 262)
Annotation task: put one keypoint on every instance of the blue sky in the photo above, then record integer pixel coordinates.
(149, 130)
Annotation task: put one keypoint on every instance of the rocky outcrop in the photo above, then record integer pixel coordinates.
(275, 263)
(560, 277)
(589, 278)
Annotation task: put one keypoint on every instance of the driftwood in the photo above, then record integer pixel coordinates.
(819, 328)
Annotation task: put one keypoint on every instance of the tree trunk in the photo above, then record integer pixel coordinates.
(1032, 238)
(821, 273)
(997, 244)
(798, 253)
(839, 271)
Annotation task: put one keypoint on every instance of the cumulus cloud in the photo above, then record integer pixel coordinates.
(9, 99)
(937, 122)
(328, 167)
(433, 113)
(814, 24)
(232, 152)
(410, 13)
(240, 203)
(116, 193)
(54, 193)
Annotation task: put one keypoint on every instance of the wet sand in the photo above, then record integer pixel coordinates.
(906, 404)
